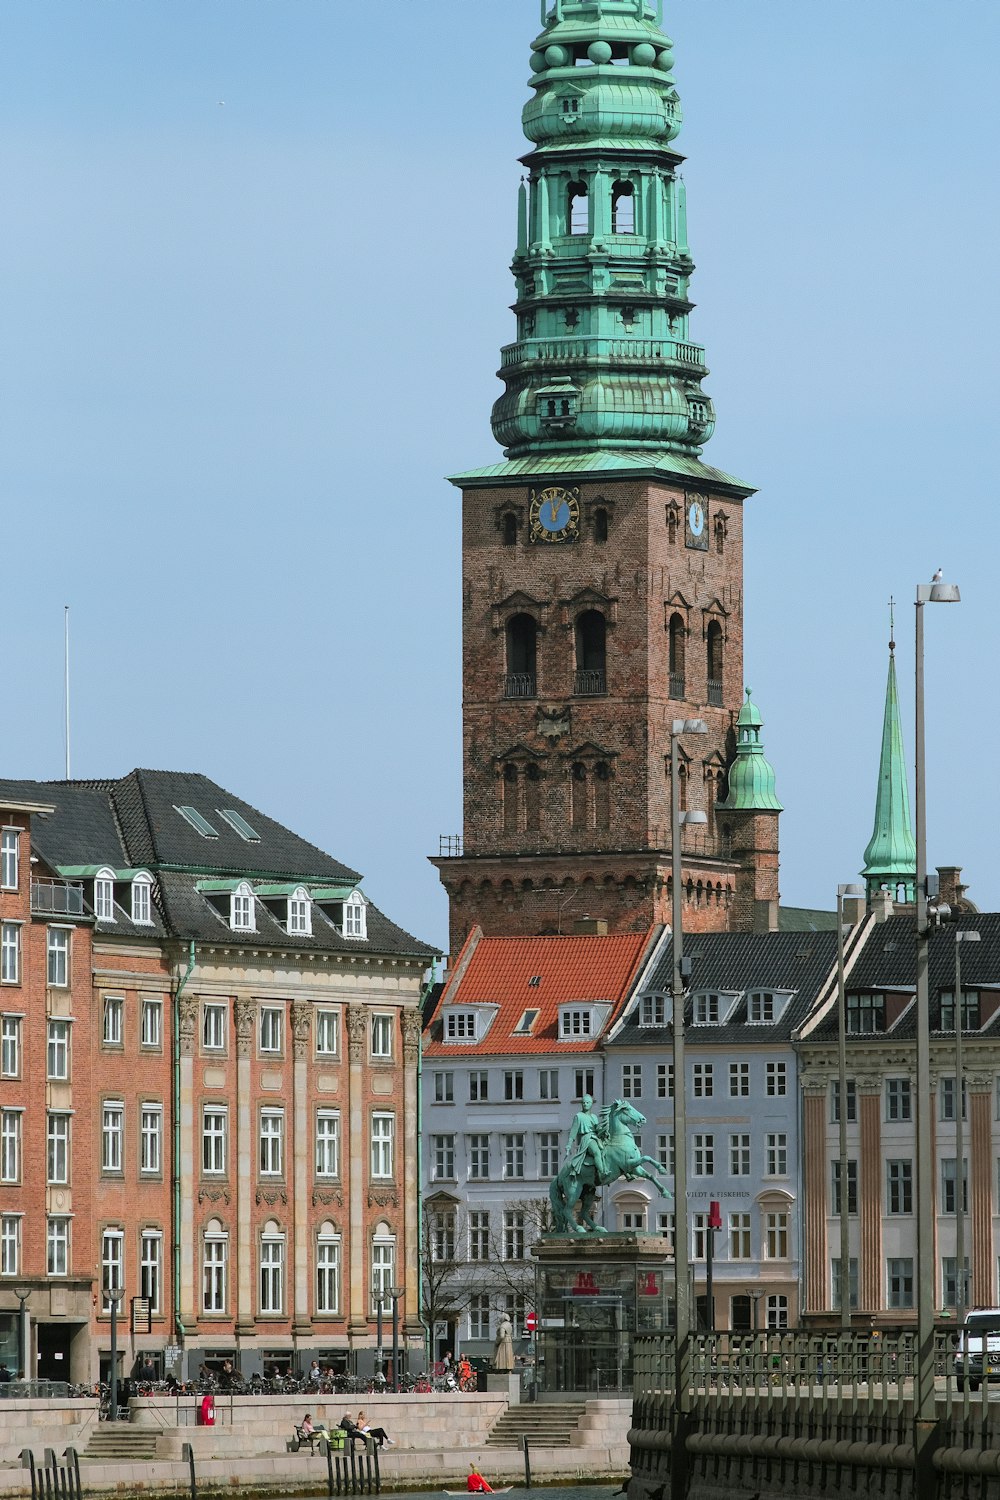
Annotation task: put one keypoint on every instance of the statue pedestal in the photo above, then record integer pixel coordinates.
(593, 1294)
(504, 1383)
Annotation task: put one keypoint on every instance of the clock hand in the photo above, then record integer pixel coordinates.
(554, 512)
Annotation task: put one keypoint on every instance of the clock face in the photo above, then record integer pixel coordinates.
(696, 523)
(554, 515)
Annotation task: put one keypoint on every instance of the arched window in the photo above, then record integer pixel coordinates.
(300, 912)
(591, 653)
(578, 208)
(522, 634)
(215, 1264)
(327, 1269)
(600, 524)
(602, 795)
(510, 529)
(272, 1268)
(104, 895)
(241, 909)
(355, 920)
(622, 208)
(383, 1265)
(672, 521)
(713, 651)
(142, 905)
(533, 798)
(511, 821)
(720, 535)
(578, 791)
(678, 635)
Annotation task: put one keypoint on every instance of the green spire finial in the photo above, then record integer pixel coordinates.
(751, 775)
(891, 855)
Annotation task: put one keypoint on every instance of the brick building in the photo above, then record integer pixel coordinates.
(603, 559)
(228, 1031)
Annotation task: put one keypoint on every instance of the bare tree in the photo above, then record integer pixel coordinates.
(520, 1223)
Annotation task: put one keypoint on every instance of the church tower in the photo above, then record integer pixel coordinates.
(602, 558)
(891, 855)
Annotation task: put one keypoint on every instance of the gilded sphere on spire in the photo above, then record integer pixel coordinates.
(556, 56)
(644, 55)
(599, 52)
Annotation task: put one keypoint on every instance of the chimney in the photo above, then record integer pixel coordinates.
(590, 927)
(952, 889)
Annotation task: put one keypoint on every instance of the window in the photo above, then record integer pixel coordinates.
(10, 1146)
(852, 1101)
(520, 680)
(577, 209)
(381, 1145)
(113, 1137)
(57, 1247)
(632, 1219)
(327, 1033)
(509, 529)
(548, 1083)
(198, 823)
(479, 1316)
(622, 208)
(9, 858)
(739, 1155)
(10, 1046)
(713, 671)
(382, 1037)
(777, 1080)
(141, 900)
(900, 1282)
(699, 1236)
(865, 1014)
(948, 1093)
(479, 1157)
(513, 1156)
(241, 911)
(514, 1222)
(583, 1082)
(898, 1104)
(444, 1088)
(10, 1245)
(271, 1029)
(777, 1155)
(591, 653)
(677, 640)
(899, 1183)
(653, 1010)
(355, 917)
(479, 1088)
(300, 914)
(949, 1185)
(852, 1282)
(970, 1010)
(57, 957)
(383, 1270)
(10, 952)
(114, 1020)
(150, 1138)
(327, 1273)
(664, 1080)
(443, 1152)
(739, 1080)
(739, 1237)
(632, 1080)
(706, 1010)
(327, 1143)
(704, 1156)
(213, 1139)
(665, 1225)
(151, 1021)
(524, 1025)
(238, 824)
(776, 1236)
(665, 1153)
(150, 1261)
(460, 1026)
(513, 1084)
(112, 1265)
(215, 1256)
(777, 1311)
(575, 1023)
(479, 1235)
(104, 896)
(852, 1187)
(548, 1154)
(949, 1281)
(761, 1006)
(702, 1077)
(57, 1051)
(272, 1140)
(213, 1027)
(272, 1274)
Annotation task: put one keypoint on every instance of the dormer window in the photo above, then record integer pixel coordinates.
(460, 1026)
(355, 921)
(714, 1008)
(142, 904)
(653, 1010)
(241, 914)
(575, 1022)
(300, 913)
(764, 1007)
(104, 895)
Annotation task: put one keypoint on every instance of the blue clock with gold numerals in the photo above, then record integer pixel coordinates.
(554, 515)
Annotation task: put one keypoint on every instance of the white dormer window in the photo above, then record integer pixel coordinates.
(241, 916)
(142, 905)
(764, 1007)
(575, 1023)
(355, 916)
(104, 895)
(460, 1026)
(653, 1010)
(300, 913)
(714, 1007)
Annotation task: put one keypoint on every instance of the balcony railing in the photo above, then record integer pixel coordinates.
(449, 846)
(590, 683)
(617, 350)
(62, 898)
(519, 685)
(715, 692)
(677, 684)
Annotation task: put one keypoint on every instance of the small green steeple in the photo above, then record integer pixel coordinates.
(891, 855)
(751, 775)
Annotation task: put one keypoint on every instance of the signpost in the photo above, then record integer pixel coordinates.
(531, 1329)
(714, 1223)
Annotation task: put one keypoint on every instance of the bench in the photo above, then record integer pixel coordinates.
(303, 1439)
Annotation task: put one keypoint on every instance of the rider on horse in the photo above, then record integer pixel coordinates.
(586, 1136)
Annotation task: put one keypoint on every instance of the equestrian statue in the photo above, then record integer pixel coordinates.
(600, 1149)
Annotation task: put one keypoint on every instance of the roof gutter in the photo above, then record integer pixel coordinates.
(179, 1329)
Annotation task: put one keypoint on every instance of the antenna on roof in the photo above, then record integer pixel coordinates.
(66, 683)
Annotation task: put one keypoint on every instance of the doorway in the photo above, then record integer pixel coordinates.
(53, 1350)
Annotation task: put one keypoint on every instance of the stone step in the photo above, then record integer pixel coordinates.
(546, 1426)
(118, 1442)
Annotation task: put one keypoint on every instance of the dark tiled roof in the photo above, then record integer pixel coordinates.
(799, 962)
(81, 831)
(806, 919)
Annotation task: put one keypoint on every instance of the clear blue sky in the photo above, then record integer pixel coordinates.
(242, 342)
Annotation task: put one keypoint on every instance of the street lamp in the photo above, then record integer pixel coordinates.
(395, 1292)
(843, 892)
(924, 1410)
(115, 1295)
(682, 1259)
(22, 1293)
(961, 1290)
(755, 1294)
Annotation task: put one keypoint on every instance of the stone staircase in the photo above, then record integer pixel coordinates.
(545, 1425)
(118, 1443)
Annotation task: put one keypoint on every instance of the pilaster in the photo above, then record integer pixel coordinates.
(870, 1296)
(245, 1015)
(410, 1022)
(301, 1019)
(187, 1024)
(357, 1032)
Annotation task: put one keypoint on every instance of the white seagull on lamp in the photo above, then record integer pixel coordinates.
(937, 577)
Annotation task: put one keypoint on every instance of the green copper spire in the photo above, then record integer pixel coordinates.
(891, 855)
(603, 358)
(751, 776)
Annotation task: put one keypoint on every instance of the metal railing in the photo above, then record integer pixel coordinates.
(449, 846)
(677, 684)
(590, 683)
(58, 897)
(715, 692)
(694, 840)
(618, 350)
(519, 685)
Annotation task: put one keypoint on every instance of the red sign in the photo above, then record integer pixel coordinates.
(585, 1285)
(531, 1322)
(715, 1214)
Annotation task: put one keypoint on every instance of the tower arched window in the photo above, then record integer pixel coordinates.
(509, 529)
(720, 535)
(601, 524)
(623, 208)
(522, 637)
(532, 798)
(713, 651)
(591, 653)
(602, 795)
(578, 208)
(578, 794)
(678, 635)
(511, 818)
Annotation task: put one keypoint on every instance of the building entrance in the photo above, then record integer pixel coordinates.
(54, 1340)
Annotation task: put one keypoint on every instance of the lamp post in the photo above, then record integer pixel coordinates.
(22, 1293)
(924, 1411)
(961, 1290)
(682, 1259)
(843, 891)
(379, 1361)
(395, 1293)
(755, 1294)
(115, 1295)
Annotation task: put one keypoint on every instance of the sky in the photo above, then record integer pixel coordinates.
(255, 269)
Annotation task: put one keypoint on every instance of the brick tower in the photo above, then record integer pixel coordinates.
(602, 559)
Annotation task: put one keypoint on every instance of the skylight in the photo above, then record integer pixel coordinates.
(198, 823)
(526, 1022)
(239, 824)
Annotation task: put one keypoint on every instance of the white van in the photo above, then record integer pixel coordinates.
(980, 1330)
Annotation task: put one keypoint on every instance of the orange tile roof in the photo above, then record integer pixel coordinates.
(498, 971)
